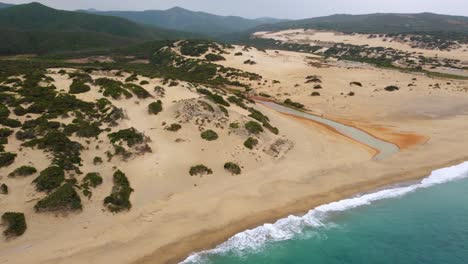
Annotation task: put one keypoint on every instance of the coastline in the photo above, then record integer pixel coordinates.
(207, 239)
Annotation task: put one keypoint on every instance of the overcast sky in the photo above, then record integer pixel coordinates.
(273, 8)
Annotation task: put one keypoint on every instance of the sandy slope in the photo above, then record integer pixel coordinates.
(172, 217)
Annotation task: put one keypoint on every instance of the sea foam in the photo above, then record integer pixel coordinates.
(287, 228)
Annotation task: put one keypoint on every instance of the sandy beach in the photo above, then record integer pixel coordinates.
(174, 214)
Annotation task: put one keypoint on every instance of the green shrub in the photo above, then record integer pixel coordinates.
(97, 160)
(113, 88)
(92, 179)
(132, 78)
(131, 136)
(63, 198)
(232, 168)
(238, 54)
(209, 135)
(23, 171)
(315, 94)
(5, 132)
(234, 125)
(50, 178)
(250, 143)
(200, 170)
(391, 88)
(119, 199)
(214, 57)
(218, 99)
(78, 87)
(139, 91)
(174, 127)
(3, 189)
(289, 102)
(7, 158)
(155, 107)
(83, 128)
(20, 111)
(144, 82)
(13, 123)
(16, 224)
(253, 127)
(237, 101)
(4, 112)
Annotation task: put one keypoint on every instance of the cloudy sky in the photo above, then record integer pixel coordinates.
(271, 8)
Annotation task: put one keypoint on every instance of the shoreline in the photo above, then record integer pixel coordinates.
(208, 239)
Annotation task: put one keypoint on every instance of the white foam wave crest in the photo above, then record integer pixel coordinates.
(289, 227)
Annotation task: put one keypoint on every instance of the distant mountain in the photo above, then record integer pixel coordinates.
(4, 5)
(189, 21)
(38, 28)
(379, 23)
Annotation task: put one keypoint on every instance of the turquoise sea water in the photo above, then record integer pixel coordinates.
(424, 222)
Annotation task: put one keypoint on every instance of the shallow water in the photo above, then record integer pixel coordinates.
(385, 148)
(426, 222)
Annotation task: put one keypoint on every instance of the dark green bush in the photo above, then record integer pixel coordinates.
(4, 112)
(6, 159)
(174, 127)
(13, 123)
(289, 102)
(139, 91)
(97, 160)
(78, 87)
(238, 54)
(92, 179)
(119, 199)
(155, 107)
(232, 168)
(23, 171)
(132, 78)
(64, 198)
(16, 224)
(50, 178)
(253, 127)
(315, 94)
(209, 135)
(214, 57)
(234, 125)
(144, 82)
(131, 136)
(250, 143)
(391, 88)
(5, 132)
(113, 88)
(3, 189)
(200, 170)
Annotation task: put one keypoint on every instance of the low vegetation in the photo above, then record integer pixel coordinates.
(78, 87)
(289, 102)
(16, 224)
(232, 167)
(214, 57)
(130, 136)
(200, 170)
(174, 127)
(391, 88)
(92, 179)
(251, 142)
(50, 178)
(3, 188)
(64, 198)
(119, 199)
(209, 135)
(7, 158)
(253, 127)
(23, 171)
(155, 107)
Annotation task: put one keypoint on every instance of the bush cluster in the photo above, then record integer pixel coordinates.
(253, 127)
(92, 179)
(289, 102)
(63, 198)
(155, 107)
(50, 178)
(16, 223)
(209, 135)
(23, 171)
(214, 57)
(119, 199)
(131, 136)
(250, 143)
(174, 127)
(7, 158)
(200, 170)
(78, 87)
(232, 168)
